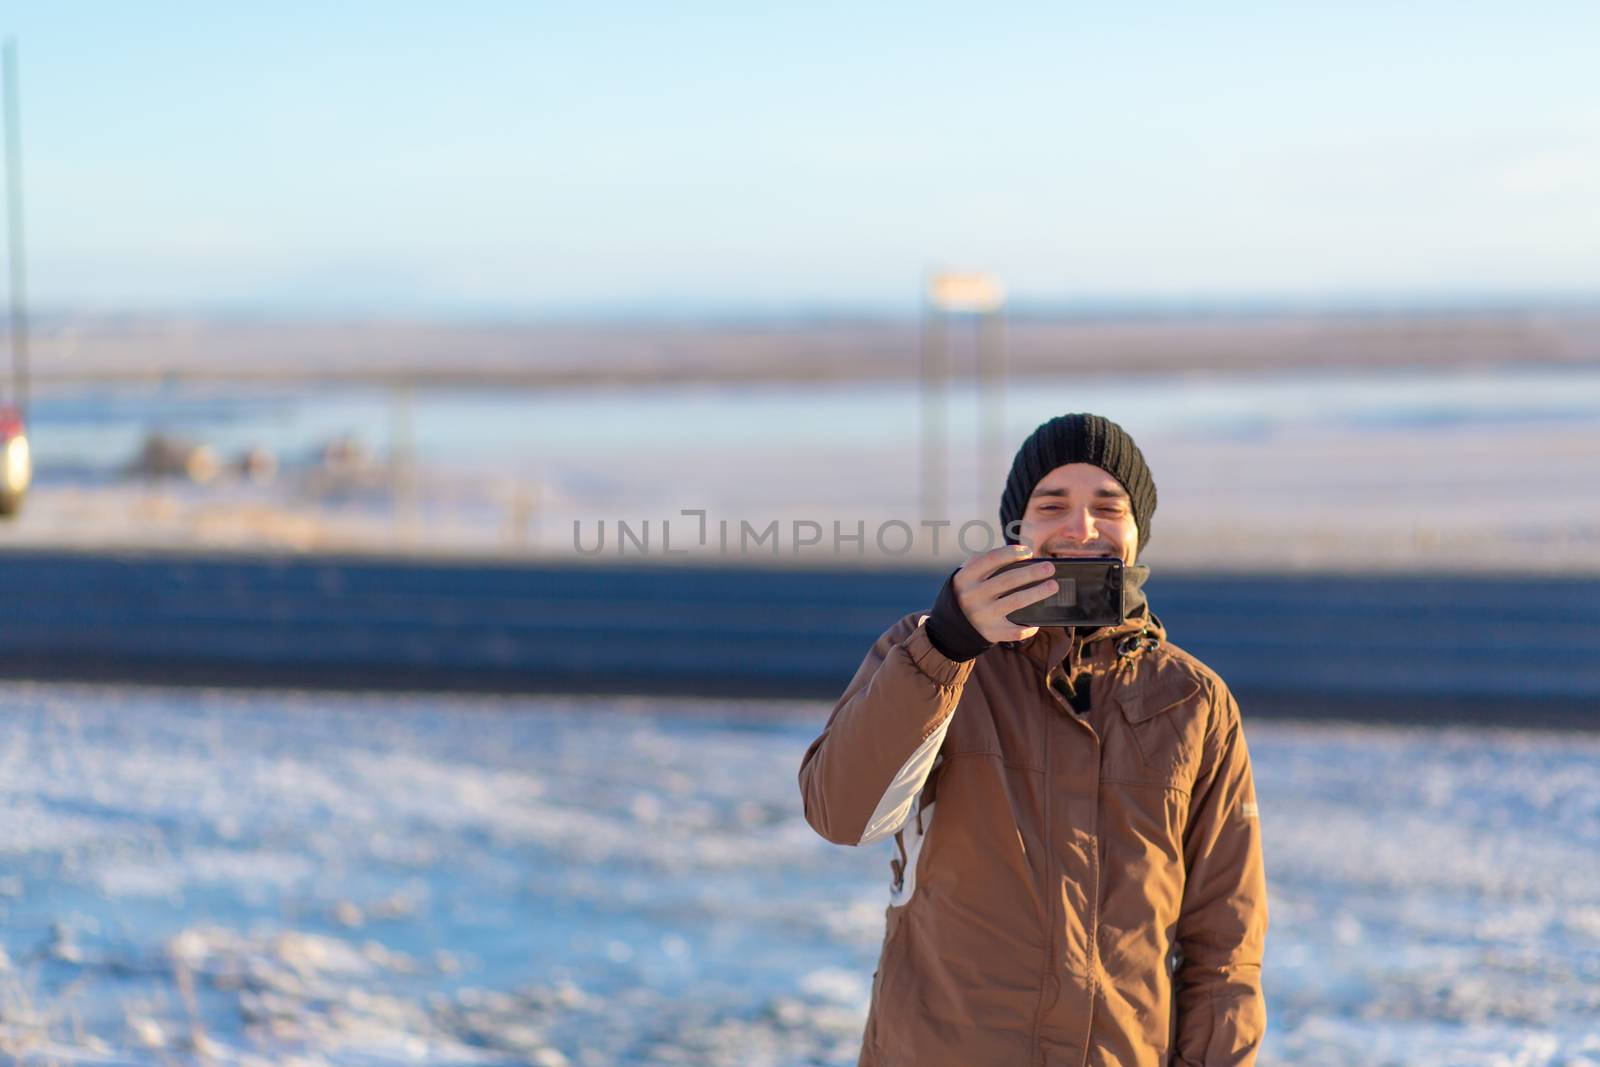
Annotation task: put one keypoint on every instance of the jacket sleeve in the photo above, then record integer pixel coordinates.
(1222, 927)
(859, 778)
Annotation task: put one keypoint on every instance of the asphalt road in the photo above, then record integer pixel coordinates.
(1521, 650)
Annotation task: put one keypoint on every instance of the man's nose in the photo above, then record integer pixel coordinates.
(1078, 525)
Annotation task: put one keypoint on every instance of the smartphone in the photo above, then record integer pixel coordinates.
(1088, 593)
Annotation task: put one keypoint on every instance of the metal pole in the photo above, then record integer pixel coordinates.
(19, 312)
(934, 373)
(402, 463)
(991, 409)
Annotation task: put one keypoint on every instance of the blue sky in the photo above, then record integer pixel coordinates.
(529, 159)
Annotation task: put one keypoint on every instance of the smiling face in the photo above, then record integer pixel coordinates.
(1080, 510)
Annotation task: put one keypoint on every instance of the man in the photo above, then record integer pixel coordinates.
(1077, 873)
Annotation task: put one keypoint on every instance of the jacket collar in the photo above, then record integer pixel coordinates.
(1052, 644)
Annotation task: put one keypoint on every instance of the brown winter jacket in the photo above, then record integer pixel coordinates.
(1057, 877)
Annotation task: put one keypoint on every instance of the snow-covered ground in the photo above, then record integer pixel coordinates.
(275, 878)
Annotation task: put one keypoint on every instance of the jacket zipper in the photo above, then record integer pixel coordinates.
(1070, 664)
(1052, 929)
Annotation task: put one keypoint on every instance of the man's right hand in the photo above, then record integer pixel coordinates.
(986, 598)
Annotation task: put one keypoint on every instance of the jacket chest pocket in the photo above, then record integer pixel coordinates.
(1165, 726)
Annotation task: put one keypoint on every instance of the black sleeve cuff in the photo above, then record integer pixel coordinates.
(949, 629)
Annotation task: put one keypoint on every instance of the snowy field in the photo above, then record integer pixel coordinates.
(1327, 469)
(272, 878)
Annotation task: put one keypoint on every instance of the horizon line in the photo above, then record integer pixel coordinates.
(731, 313)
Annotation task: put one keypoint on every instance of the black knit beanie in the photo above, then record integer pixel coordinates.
(1079, 438)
